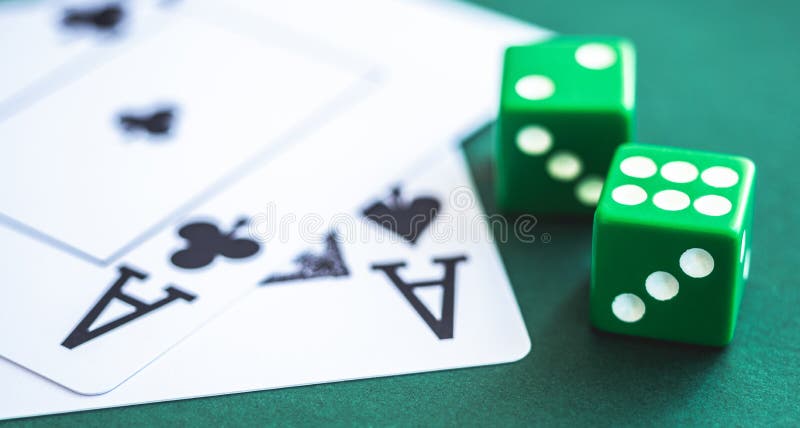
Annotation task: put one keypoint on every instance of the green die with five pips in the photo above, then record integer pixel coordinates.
(671, 244)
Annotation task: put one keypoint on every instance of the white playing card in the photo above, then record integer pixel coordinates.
(342, 327)
(53, 42)
(104, 283)
(232, 98)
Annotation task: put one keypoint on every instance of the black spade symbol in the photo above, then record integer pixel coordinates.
(407, 220)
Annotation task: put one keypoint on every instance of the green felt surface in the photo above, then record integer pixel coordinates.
(717, 75)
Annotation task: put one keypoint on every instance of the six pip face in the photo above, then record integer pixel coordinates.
(671, 244)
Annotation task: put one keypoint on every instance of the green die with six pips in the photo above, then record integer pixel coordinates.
(671, 244)
(565, 105)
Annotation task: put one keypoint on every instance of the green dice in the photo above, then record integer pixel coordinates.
(671, 245)
(565, 106)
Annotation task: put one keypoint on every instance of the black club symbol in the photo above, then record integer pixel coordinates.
(158, 122)
(205, 242)
(103, 18)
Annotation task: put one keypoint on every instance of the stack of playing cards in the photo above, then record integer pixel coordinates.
(201, 198)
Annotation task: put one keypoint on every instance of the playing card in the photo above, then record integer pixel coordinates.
(133, 195)
(152, 142)
(53, 42)
(128, 218)
(351, 304)
(149, 146)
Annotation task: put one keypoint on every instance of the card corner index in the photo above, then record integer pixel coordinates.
(83, 333)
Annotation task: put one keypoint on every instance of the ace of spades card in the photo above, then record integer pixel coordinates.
(378, 304)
